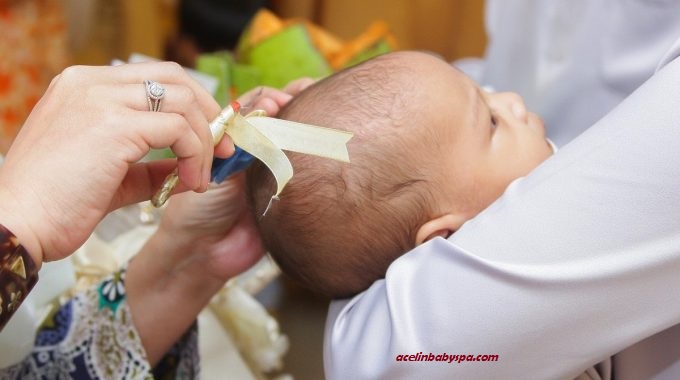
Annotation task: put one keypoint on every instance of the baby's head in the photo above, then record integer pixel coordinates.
(428, 153)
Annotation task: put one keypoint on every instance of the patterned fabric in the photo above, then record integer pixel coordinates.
(18, 274)
(92, 337)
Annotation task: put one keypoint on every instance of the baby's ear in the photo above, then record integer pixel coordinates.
(442, 226)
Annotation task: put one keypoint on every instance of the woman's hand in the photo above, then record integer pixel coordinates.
(213, 232)
(76, 158)
(203, 222)
(202, 241)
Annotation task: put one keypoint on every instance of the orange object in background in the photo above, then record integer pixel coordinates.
(376, 31)
(452, 28)
(33, 50)
(337, 51)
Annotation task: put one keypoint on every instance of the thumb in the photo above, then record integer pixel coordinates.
(142, 181)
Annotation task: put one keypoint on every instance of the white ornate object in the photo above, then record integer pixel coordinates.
(252, 330)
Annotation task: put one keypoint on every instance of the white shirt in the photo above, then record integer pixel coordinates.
(575, 60)
(574, 263)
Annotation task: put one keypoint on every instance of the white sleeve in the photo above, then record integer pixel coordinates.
(574, 263)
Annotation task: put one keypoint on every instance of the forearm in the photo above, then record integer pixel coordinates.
(164, 296)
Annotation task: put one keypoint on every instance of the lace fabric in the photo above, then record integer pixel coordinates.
(92, 337)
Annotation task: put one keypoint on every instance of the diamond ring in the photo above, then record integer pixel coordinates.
(154, 95)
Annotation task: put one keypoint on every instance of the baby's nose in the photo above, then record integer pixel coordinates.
(512, 102)
(519, 109)
(517, 106)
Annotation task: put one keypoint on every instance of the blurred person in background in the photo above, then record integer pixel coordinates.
(209, 25)
(573, 61)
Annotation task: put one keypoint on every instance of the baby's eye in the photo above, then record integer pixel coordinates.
(493, 121)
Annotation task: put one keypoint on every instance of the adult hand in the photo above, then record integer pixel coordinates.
(208, 226)
(76, 158)
(202, 241)
(213, 232)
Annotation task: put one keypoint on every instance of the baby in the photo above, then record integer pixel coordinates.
(430, 151)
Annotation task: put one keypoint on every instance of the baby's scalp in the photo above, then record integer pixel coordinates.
(337, 227)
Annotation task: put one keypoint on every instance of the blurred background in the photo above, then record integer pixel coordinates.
(41, 37)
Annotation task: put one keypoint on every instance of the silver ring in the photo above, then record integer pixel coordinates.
(154, 95)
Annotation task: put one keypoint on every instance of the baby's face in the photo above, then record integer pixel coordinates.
(503, 142)
(488, 139)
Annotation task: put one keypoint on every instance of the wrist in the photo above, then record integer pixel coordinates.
(173, 242)
(15, 222)
(157, 281)
(170, 266)
(165, 251)
(187, 254)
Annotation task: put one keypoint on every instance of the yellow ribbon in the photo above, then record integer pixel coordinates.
(266, 138)
(304, 138)
(250, 139)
